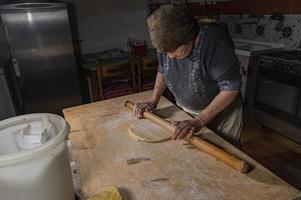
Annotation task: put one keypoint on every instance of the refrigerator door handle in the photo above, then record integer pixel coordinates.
(19, 100)
(18, 71)
(13, 88)
(17, 81)
(13, 59)
(16, 67)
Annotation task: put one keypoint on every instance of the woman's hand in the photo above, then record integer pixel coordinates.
(140, 108)
(160, 86)
(186, 128)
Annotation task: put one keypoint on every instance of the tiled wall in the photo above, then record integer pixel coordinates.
(263, 28)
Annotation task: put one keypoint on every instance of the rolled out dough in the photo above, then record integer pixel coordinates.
(147, 131)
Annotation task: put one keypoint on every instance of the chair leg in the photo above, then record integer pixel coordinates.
(132, 65)
(94, 86)
(99, 83)
(139, 75)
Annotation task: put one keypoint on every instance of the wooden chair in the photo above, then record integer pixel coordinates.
(146, 72)
(113, 75)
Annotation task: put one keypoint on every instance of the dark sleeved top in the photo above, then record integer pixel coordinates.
(211, 67)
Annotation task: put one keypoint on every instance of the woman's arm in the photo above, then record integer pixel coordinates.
(218, 104)
(160, 87)
(151, 104)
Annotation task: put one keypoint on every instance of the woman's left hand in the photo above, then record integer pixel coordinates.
(186, 128)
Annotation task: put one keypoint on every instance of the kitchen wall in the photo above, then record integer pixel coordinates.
(251, 19)
(107, 24)
(264, 28)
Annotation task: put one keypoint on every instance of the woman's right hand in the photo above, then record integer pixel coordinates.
(140, 108)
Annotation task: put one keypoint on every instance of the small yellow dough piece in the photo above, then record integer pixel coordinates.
(109, 193)
(147, 131)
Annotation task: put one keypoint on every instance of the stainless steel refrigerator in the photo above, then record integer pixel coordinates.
(40, 43)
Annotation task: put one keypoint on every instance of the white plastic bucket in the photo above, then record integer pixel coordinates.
(30, 170)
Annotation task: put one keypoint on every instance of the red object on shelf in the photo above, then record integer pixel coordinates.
(137, 48)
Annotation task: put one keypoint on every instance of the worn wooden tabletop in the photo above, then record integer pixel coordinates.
(104, 153)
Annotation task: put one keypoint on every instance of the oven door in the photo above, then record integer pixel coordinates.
(277, 102)
(278, 93)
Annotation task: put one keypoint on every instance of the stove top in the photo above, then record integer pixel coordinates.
(288, 61)
(289, 55)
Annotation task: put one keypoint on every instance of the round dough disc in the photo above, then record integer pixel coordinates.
(147, 131)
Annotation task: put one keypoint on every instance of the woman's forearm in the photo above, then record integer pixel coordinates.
(160, 86)
(218, 104)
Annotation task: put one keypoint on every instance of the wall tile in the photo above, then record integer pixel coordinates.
(270, 34)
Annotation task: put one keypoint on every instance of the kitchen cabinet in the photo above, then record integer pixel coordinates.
(190, 1)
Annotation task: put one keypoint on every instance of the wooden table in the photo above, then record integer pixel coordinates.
(102, 147)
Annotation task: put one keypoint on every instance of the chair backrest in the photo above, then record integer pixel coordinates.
(149, 64)
(115, 71)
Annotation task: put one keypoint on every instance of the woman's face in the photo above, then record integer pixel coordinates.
(182, 51)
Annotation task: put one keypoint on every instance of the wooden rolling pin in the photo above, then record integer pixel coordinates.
(199, 143)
